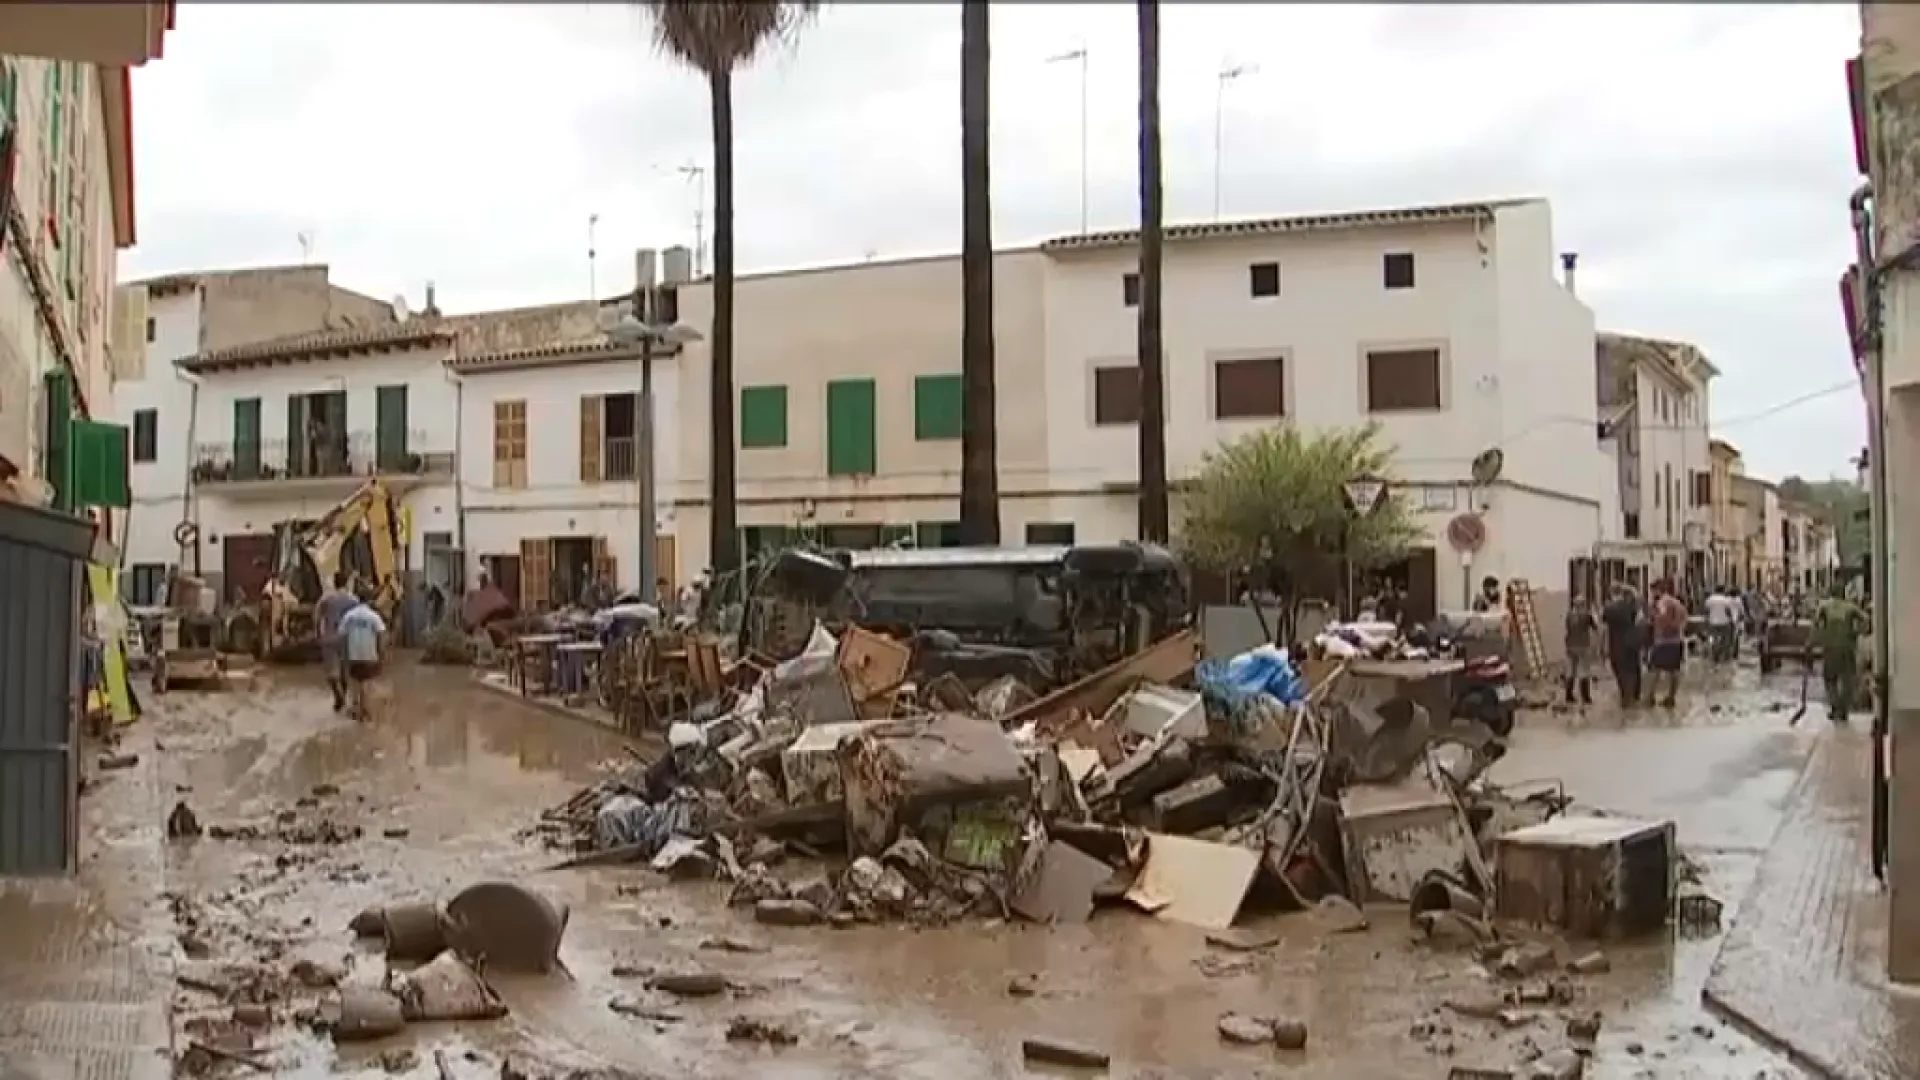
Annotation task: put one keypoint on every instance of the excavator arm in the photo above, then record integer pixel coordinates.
(371, 510)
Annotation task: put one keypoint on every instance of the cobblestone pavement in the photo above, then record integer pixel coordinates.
(1804, 962)
(84, 978)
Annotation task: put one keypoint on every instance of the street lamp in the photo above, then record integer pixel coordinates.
(633, 330)
(1227, 75)
(1079, 56)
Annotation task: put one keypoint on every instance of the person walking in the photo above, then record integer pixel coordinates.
(1723, 624)
(363, 638)
(1669, 651)
(1583, 629)
(332, 608)
(1836, 632)
(1621, 620)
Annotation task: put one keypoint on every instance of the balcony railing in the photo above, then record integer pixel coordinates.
(357, 455)
(618, 459)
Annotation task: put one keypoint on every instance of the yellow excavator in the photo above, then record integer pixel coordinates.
(364, 535)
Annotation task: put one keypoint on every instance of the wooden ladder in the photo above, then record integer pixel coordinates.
(1526, 626)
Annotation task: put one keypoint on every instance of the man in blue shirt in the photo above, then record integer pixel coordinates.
(363, 636)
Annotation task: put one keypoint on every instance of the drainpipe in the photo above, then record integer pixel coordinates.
(189, 490)
(459, 474)
(1867, 345)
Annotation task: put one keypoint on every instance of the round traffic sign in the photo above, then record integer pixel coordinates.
(1467, 532)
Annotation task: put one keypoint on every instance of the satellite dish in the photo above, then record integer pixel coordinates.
(1487, 466)
(400, 312)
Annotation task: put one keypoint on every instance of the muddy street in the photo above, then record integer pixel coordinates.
(309, 819)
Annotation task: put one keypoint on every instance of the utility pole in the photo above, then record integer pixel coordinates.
(1079, 56)
(1227, 75)
(654, 321)
(1889, 97)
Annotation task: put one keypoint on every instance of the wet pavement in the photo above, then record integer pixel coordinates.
(83, 963)
(460, 770)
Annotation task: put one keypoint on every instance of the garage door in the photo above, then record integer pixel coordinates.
(41, 567)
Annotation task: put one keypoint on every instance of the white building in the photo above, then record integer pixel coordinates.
(1444, 325)
(1654, 398)
(268, 395)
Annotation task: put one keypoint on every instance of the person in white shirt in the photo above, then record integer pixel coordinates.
(1723, 625)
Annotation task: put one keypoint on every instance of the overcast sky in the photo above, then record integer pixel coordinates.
(1698, 157)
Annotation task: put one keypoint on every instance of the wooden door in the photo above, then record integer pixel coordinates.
(246, 562)
(666, 565)
(1423, 585)
(536, 574)
(605, 567)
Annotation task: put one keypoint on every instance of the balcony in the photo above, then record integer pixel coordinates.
(112, 34)
(277, 468)
(617, 460)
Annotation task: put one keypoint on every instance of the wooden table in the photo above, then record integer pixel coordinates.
(540, 649)
(576, 660)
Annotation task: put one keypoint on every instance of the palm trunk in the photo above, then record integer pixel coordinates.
(724, 539)
(1153, 435)
(979, 479)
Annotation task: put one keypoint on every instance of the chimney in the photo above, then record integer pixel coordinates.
(1568, 259)
(432, 310)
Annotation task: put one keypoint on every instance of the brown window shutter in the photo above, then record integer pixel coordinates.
(1403, 380)
(590, 439)
(605, 566)
(1254, 388)
(536, 574)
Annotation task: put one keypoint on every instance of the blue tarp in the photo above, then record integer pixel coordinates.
(1265, 669)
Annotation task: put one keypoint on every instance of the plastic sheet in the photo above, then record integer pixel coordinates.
(624, 820)
(1266, 669)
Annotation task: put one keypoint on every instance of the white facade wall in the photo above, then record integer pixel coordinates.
(160, 485)
(555, 501)
(1517, 354)
(1674, 446)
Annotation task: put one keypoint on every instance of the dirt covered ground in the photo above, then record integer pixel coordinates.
(309, 818)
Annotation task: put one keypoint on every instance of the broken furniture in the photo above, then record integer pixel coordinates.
(574, 663)
(1396, 834)
(1597, 877)
(532, 666)
(956, 782)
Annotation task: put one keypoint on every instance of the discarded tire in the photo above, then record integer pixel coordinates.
(500, 926)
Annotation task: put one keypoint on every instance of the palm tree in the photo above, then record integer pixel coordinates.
(1153, 434)
(717, 39)
(979, 451)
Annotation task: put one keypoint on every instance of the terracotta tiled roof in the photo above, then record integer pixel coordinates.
(558, 354)
(1220, 230)
(326, 343)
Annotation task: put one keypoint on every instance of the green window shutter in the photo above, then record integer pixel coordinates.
(850, 424)
(390, 430)
(763, 416)
(100, 465)
(937, 407)
(246, 439)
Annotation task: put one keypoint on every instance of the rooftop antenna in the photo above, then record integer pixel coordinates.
(305, 236)
(697, 176)
(593, 259)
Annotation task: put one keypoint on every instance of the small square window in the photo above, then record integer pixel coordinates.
(1263, 279)
(1130, 290)
(1398, 269)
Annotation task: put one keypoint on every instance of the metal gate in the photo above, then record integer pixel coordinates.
(42, 559)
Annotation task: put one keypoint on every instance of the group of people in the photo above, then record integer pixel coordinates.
(353, 639)
(1637, 637)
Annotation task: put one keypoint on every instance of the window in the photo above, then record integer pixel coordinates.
(1702, 488)
(246, 439)
(1050, 532)
(509, 444)
(851, 449)
(1263, 279)
(1397, 268)
(1248, 389)
(1633, 526)
(1403, 380)
(99, 464)
(1130, 290)
(763, 417)
(390, 428)
(149, 331)
(141, 587)
(609, 425)
(146, 434)
(936, 534)
(1116, 395)
(938, 404)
